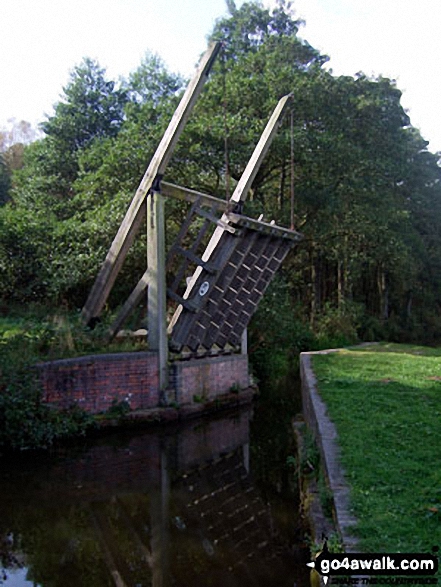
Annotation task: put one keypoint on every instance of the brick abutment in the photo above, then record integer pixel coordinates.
(96, 382)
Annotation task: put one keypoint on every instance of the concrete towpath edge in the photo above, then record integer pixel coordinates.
(325, 435)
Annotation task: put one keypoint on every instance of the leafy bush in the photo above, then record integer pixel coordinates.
(337, 327)
(277, 333)
(25, 421)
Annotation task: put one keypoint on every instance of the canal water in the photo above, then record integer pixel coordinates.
(212, 502)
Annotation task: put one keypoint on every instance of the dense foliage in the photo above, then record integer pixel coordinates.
(367, 190)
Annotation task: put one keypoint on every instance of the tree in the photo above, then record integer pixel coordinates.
(152, 83)
(5, 180)
(92, 107)
(13, 140)
(92, 110)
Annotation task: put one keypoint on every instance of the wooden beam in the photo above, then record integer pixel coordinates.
(180, 193)
(173, 191)
(264, 227)
(220, 222)
(241, 191)
(134, 216)
(132, 301)
(157, 287)
(248, 176)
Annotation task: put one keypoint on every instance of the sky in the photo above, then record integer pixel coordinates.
(41, 41)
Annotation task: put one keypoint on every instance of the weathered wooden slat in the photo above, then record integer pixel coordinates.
(196, 260)
(129, 306)
(218, 221)
(194, 247)
(253, 166)
(182, 232)
(264, 227)
(133, 219)
(177, 298)
(180, 193)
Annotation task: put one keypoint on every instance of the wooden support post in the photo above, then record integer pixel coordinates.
(241, 191)
(157, 287)
(244, 342)
(135, 214)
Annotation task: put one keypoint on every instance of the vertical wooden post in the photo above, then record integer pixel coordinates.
(157, 296)
(244, 342)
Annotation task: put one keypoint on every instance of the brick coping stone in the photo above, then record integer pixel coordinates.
(325, 434)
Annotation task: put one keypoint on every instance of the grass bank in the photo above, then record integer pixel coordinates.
(385, 401)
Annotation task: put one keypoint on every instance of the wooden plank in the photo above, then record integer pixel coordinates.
(129, 306)
(177, 298)
(264, 227)
(180, 193)
(182, 233)
(196, 260)
(248, 176)
(157, 296)
(214, 220)
(134, 216)
(194, 247)
(240, 193)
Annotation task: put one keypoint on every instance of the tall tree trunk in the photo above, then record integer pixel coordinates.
(316, 275)
(340, 284)
(383, 290)
(409, 305)
(313, 299)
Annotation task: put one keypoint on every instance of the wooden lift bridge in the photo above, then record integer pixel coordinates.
(231, 266)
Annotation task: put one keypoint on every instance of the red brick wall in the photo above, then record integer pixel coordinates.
(208, 378)
(94, 382)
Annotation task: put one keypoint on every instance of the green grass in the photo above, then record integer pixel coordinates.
(385, 401)
(56, 334)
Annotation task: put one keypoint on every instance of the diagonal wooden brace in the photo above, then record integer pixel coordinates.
(135, 214)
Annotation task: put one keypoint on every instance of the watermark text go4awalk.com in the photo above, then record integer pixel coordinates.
(335, 564)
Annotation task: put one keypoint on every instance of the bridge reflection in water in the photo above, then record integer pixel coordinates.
(162, 508)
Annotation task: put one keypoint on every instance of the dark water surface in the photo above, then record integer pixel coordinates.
(209, 503)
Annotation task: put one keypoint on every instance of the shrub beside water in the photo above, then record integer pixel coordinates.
(26, 422)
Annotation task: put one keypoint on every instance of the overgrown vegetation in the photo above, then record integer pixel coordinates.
(385, 401)
(26, 339)
(25, 421)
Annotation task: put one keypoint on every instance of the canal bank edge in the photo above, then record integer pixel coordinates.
(325, 436)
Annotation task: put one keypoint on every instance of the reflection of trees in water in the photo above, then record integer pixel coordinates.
(58, 544)
(155, 510)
